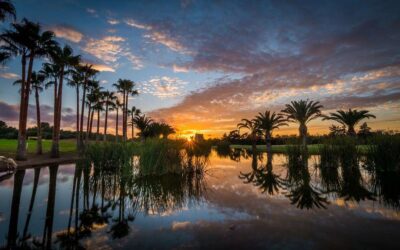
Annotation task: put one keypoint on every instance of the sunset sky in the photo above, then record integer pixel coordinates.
(203, 65)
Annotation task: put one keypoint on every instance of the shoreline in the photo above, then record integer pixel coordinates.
(46, 160)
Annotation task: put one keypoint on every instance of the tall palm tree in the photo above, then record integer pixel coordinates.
(109, 98)
(117, 107)
(76, 81)
(349, 118)
(65, 59)
(126, 88)
(142, 122)
(37, 86)
(7, 9)
(26, 39)
(302, 112)
(133, 112)
(254, 130)
(88, 73)
(268, 122)
(98, 107)
(92, 98)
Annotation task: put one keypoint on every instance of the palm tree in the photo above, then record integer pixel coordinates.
(88, 73)
(76, 82)
(117, 106)
(349, 118)
(142, 122)
(133, 112)
(51, 72)
(7, 9)
(268, 122)
(98, 107)
(126, 88)
(92, 98)
(27, 40)
(302, 112)
(254, 130)
(64, 58)
(166, 130)
(37, 85)
(109, 99)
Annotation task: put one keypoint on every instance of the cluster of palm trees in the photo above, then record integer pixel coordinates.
(27, 41)
(300, 112)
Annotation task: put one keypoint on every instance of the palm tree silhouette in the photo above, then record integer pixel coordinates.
(88, 74)
(142, 122)
(166, 130)
(254, 130)
(302, 112)
(14, 210)
(268, 122)
(133, 112)
(37, 86)
(126, 88)
(7, 9)
(109, 99)
(117, 107)
(75, 81)
(27, 40)
(349, 118)
(65, 59)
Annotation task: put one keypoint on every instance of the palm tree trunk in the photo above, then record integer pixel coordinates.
(303, 135)
(77, 116)
(88, 123)
(98, 125)
(105, 123)
(91, 123)
(351, 131)
(116, 127)
(82, 112)
(38, 124)
(55, 147)
(123, 117)
(132, 128)
(21, 147)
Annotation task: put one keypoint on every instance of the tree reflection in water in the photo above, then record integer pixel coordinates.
(105, 196)
(338, 176)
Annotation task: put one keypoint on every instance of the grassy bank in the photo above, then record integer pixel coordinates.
(9, 147)
(312, 149)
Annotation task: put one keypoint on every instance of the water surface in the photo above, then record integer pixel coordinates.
(242, 201)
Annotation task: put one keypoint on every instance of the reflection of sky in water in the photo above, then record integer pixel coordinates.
(231, 213)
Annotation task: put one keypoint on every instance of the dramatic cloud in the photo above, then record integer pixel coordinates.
(352, 62)
(164, 87)
(110, 49)
(67, 33)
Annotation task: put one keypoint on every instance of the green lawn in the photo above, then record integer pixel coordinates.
(9, 147)
(312, 149)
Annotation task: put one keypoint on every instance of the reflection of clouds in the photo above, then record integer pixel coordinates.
(180, 225)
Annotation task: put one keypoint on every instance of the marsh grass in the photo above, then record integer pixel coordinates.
(384, 153)
(158, 157)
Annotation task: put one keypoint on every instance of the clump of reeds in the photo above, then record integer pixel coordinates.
(109, 155)
(383, 153)
(158, 157)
